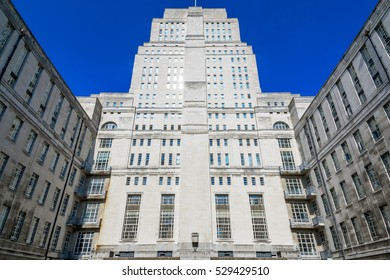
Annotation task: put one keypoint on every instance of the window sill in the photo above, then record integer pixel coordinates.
(361, 199)
(262, 240)
(165, 240)
(225, 240)
(349, 162)
(338, 171)
(363, 152)
(27, 153)
(13, 141)
(349, 205)
(379, 140)
(377, 191)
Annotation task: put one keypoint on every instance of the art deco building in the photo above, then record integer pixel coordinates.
(195, 161)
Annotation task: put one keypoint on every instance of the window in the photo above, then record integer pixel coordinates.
(386, 108)
(2, 109)
(326, 168)
(335, 198)
(130, 223)
(333, 110)
(91, 213)
(335, 237)
(371, 224)
(222, 216)
(96, 186)
(15, 129)
(299, 213)
(294, 187)
(385, 159)
(373, 176)
(288, 160)
(64, 204)
(356, 228)
(326, 204)
(356, 83)
(45, 192)
(5, 34)
(344, 190)
(318, 176)
(3, 162)
(384, 36)
(18, 225)
(335, 160)
(167, 216)
(361, 193)
(33, 230)
(4, 211)
(374, 128)
(284, 143)
(371, 66)
(102, 160)
(109, 126)
(307, 244)
(359, 141)
(344, 231)
(324, 121)
(18, 66)
(83, 245)
(281, 126)
(344, 98)
(56, 197)
(385, 212)
(347, 153)
(31, 185)
(16, 177)
(106, 143)
(259, 223)
(30, 142)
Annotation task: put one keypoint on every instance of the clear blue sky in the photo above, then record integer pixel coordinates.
(93, 43)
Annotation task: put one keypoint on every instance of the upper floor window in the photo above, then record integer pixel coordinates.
(281, 126)
(109, 125)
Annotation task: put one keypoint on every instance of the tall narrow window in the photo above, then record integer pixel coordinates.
(374, 128)
(344, 231)
(56, 197)
(373, 176)
(33, 84)
(347, 153)
(335, 198)
(4, 211)
(325, 202)
(30, 142)
(3, 162)
(102, 160)
(385, 212)
(361, 193)
(16, 177)
(15, 129)
(222, 216)
(385, 159)
(56, 237)
(344, 98)
(371, 66)
(357, 84)
(336, 241)
(130, 223)
(359, 141)
(43, 153)
(371, 224)
(5, 35)
(333, 110)
(45, 99)
(384, 36)
(31, 185)
(326, 168)
(324, 121)
(259, 223)
(335, 160)
(33, 230)
(64, 205)
(18, 66)
(344, 189)
(45, 192)
(167, 215)
(18, 225)
(356, 228)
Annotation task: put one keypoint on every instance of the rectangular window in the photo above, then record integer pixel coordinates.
(33, 230)
(345, 233)
(318, 176)
(91, 213)
(326, 169)
(356, 84)
(16, 177)
(344, 189)
(3, 107)
(64, 205)
(30, 142)
(72, 176)
(18, 225)
(45, 192)
(384, 36)
(356, 228)
(385, 212)
(15, 129)
(335, 198)
(106, 143)
(43, 152)
(83, 245)
(18, 66)
(361, 193)
(288, 160)
(5, 34)
(259, 223)
(347, 153)
(102, 160)
(359, 141)
(3, 162)
(371, 224)
(299, 213)
(139, 161)
(45, 234)
(4, 211)
(56, 197)
(344, 98)
(324, 121)
(222, 216)
(385, 159)
(56, 237)
(333, 110)
(307, 244)
(96, 186)
(167, 216)
(335, 161)
(374, 128)
(130, 223)
(294, 187)
(31, 185)
(371, 66)
(336, 241)
(162, 159)
(326, 204)
(284, 143)
(373, 176)
(386, 108)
